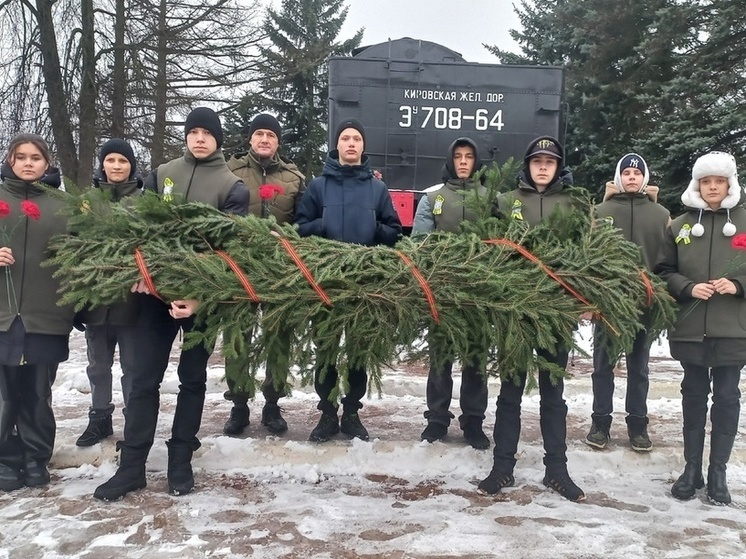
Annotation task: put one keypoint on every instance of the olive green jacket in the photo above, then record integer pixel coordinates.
(275, 171)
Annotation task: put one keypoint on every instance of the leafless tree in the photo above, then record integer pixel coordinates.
(79, 71)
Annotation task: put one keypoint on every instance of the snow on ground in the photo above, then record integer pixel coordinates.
(394, 497)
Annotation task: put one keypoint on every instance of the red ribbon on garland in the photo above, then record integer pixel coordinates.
(147, 278)
(240, 275)
(423, 283)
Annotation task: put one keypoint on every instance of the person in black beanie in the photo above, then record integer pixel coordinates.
(262, 169)
(346, 204)
(107, 327)
(207, 119)
(266, 121)
(200, 175)
(542, 190)
(352, 123)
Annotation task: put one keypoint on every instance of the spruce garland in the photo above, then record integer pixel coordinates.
(493, 305)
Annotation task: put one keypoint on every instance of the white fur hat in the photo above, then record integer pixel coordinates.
(631, 160)
(715, 163)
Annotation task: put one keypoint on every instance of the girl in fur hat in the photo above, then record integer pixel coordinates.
(702, 262)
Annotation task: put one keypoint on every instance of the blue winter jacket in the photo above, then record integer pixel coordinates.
(347, 204)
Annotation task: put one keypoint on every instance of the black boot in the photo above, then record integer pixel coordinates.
(598, 436)
(99, 427)
(474, 434)
(130, 476)
(180, 475)
(238, 420)
(35, 474)
(10, 478)
(686, 486)
(353, 427)
(11, 467)
(495, 481)
(327, 427)
(637, 429)
(717, 488)
(272, 418)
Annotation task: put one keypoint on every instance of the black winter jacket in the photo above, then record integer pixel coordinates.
(347, 204)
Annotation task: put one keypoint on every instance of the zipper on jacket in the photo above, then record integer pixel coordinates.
(23, 268)
(191, 178)
(709, 268)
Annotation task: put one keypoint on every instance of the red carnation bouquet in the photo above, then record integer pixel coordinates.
(29, 210)
(268, 192)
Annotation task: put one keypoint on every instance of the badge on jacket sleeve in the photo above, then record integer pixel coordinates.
(168, 189)
(684, 234)
(517, 211)
(438, 207)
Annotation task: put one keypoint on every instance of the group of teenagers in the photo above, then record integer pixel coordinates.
(693, 253)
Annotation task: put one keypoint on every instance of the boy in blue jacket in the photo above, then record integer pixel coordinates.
(346, 203)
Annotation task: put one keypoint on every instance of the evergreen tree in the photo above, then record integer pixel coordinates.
(301, 36)
(663, 78)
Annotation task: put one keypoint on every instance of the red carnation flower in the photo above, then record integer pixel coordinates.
(268, 191)
(30, 209)
(4, 209)
(739, 241)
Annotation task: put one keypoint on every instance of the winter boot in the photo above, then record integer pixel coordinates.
(327, 427)
(99, 427)
(598, 436)
(272, 418)
(717, 488)
(473, 433)
(10, 478)
(560, 481)
(180, 475)
(686, 486)
(434, 432)
(493, 483)
(637, 429)
(238, 420)
(130, 476)
(353, 427)
(35, 474)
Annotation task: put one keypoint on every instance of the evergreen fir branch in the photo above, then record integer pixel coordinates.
(495, 306)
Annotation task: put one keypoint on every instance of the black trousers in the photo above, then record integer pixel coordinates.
(473, 395)
(27, 425)
(637, 375)
(552, 418)
(101, 341)
(155, 334)
(325, 383)
(726, 398)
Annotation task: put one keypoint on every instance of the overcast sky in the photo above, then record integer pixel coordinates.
(461, 26)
